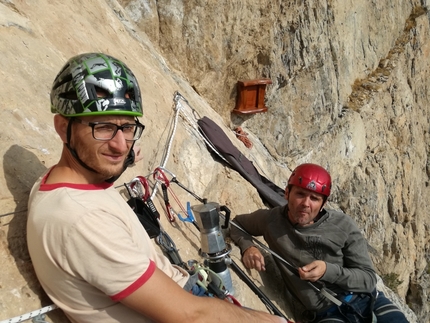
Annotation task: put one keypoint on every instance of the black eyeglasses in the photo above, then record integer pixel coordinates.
(106, 130)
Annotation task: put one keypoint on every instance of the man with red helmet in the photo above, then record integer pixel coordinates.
(321, 245)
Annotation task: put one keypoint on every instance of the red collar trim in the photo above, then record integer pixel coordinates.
(88, 187)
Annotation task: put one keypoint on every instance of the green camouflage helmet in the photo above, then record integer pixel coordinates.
(95, 84)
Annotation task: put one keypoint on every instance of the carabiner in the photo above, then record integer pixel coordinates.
(144, 183)
(138, 187)
(166, 171)
(159, 176)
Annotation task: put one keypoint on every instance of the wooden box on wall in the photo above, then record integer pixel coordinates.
(250, 96)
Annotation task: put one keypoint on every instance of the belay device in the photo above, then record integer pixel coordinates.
(214, 249)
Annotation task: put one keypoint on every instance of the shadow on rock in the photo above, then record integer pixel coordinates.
(21, 169)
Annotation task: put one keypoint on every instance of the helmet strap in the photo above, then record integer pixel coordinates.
(72, 150)
(324, 201)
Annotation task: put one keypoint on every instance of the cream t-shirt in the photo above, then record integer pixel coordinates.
(89, 250)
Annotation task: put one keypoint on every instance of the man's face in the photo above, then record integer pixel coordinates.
(303, 205)
(105, 157)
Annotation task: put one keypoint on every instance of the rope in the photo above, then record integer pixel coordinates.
(196, 129)
(176, 106)
(172, 133)
(190, 118)
(27, 316)
(12, 213)
(243, 137)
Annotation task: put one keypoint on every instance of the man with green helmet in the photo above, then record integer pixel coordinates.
(90, 252)
(318, 245)
(101, 88)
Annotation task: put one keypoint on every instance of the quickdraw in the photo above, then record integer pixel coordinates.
(160, 176)
(169, 249)
(169, 210)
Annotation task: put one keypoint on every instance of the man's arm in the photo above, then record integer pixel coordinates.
(254, 224)
(356, 272)
(162, 300)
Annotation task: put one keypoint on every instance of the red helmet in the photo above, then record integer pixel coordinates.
(311, 177)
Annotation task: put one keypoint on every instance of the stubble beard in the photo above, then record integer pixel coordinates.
(300, 218)
(99, 164)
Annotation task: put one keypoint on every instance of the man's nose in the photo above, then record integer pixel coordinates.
(306, 200)
(118, 141)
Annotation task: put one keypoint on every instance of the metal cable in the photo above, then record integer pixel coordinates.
(27, 316)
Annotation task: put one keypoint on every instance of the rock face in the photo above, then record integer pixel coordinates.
(350, 91)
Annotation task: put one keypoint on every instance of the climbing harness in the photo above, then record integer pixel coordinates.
(37, 316)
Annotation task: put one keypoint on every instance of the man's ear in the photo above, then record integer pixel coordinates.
(60, 124)
(287, 192)
(323, 204)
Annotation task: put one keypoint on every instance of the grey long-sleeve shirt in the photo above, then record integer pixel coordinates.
(334, 238)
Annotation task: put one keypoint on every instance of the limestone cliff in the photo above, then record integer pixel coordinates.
(350, 90)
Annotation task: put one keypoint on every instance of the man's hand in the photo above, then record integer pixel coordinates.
(253, 259)
(313, 271)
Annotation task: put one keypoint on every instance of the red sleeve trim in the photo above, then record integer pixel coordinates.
(136, 285)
